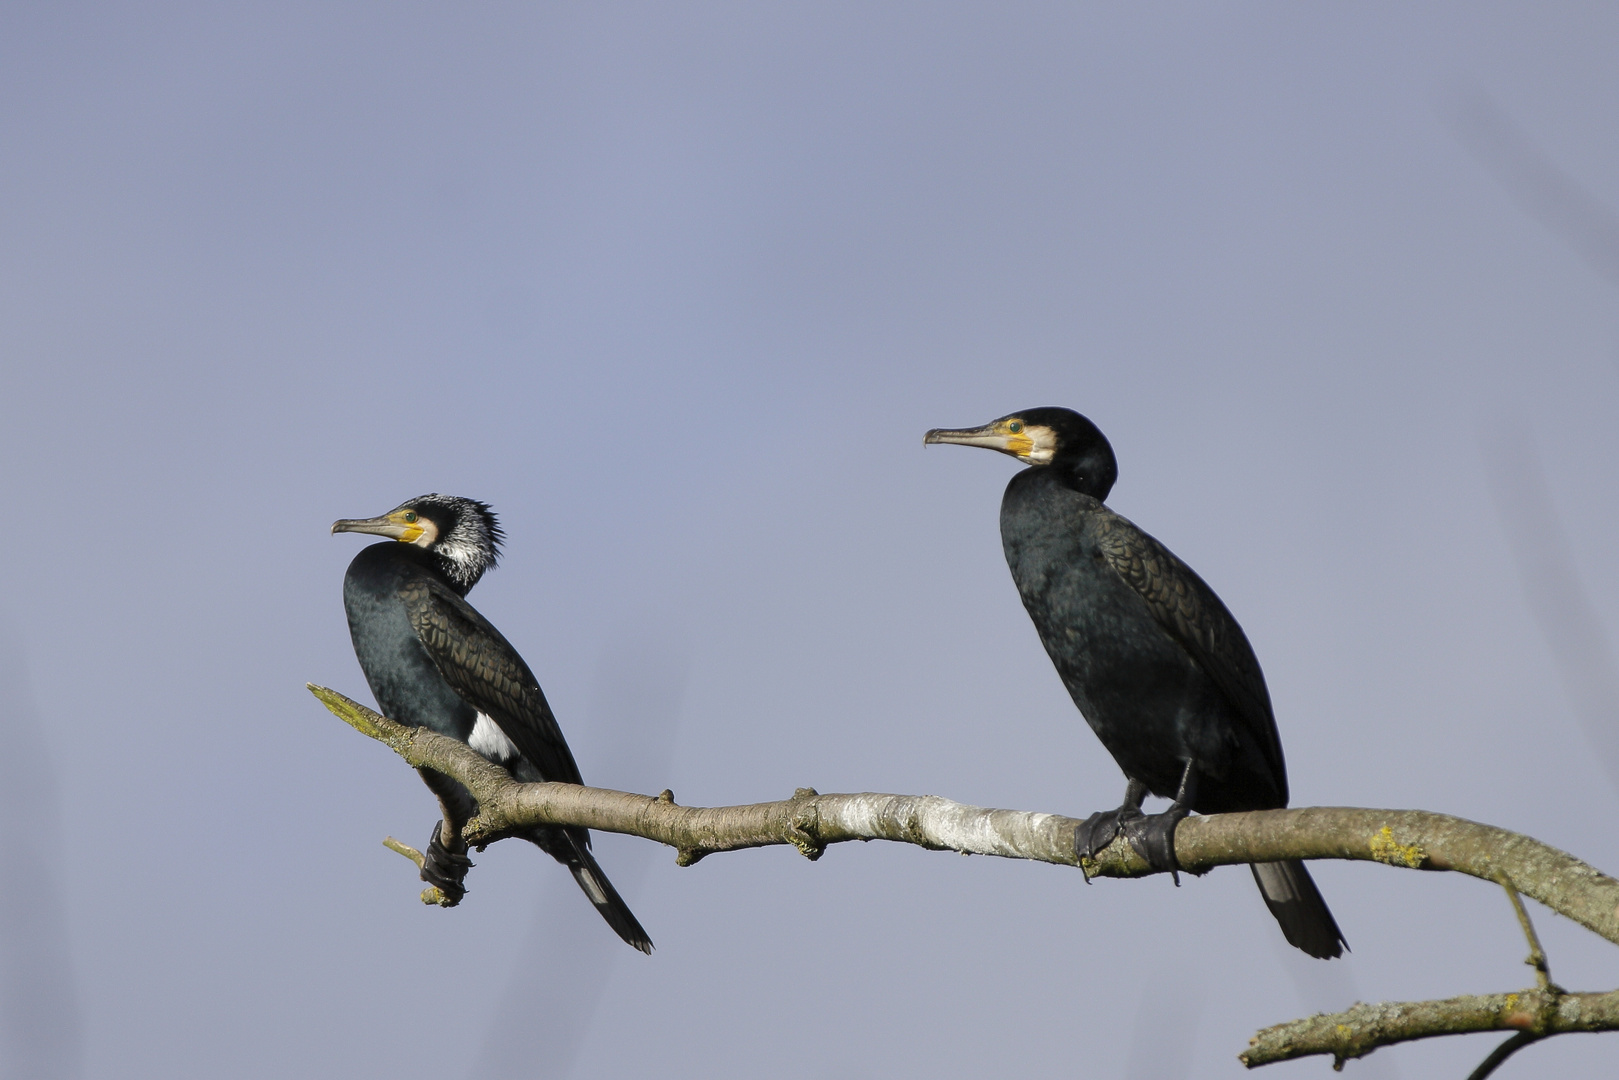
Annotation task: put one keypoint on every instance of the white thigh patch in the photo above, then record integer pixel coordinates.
(490, 741)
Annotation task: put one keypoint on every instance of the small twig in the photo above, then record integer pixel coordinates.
(430, 895)
(1543, 979)
(1502, 1052)
(406, 850)
(1537, 955)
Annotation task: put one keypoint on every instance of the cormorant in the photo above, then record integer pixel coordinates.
(1157, 665)
(432, 661)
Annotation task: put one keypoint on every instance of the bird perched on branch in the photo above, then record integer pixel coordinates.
(432, 661)
(1157, 665)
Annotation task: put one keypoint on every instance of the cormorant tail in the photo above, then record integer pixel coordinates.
(574, 852)
(1293, 898)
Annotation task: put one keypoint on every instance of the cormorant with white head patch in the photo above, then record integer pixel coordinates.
(1157, 665)
(432, 661)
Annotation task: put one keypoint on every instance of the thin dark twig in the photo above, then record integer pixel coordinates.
(1501, 1053)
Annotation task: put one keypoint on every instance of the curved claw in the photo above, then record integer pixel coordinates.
(1101, 827)
(1153, 838)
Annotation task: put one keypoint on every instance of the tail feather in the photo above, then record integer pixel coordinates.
(1292, 897)
(574, 851)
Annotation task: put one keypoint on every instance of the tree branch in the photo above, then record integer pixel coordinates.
(1413, 839)
(809, 821)
(1358, 1031)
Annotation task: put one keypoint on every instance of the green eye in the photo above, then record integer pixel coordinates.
(1015, 427)
(410, 517)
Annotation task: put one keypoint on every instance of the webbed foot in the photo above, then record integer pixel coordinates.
(446, 869)
(1153, 838)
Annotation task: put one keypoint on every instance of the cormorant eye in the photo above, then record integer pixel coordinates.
(410, 517)
(1015, 427)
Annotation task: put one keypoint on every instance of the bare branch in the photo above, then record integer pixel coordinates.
(1532, 1014)
(1415, 839)
(810, 821)
(1358, 1031)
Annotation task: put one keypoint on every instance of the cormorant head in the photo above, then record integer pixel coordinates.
(461, 534)
(1051, 438)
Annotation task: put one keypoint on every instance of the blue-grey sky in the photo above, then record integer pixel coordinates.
(678, 289)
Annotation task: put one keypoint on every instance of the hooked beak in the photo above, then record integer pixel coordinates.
(379, 526)
(992, 436)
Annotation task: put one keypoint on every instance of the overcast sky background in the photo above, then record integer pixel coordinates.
(678, 290)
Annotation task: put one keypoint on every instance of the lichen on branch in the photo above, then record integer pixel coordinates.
(1358, 1031)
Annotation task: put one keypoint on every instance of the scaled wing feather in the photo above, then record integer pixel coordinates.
(1196, 618)
(481, 666)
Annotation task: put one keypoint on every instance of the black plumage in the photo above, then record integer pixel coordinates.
(1156, 664)
(433, 661)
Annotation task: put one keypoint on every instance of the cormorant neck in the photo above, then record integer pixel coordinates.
(461, 569)
(458, 575)
(1090, 471)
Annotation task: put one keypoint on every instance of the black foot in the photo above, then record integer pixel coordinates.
(1101, 827)
(445, 869)
(1154, 839)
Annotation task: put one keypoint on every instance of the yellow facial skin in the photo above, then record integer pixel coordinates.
(1018, 442)
(406, 526)
(411, 526)
(1032, 444)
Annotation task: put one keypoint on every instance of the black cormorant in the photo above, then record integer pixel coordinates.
(1159, 668)
(434, 662)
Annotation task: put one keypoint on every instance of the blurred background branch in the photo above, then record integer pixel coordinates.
(1538, 185)
(1575, 635)
(40, 1031)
